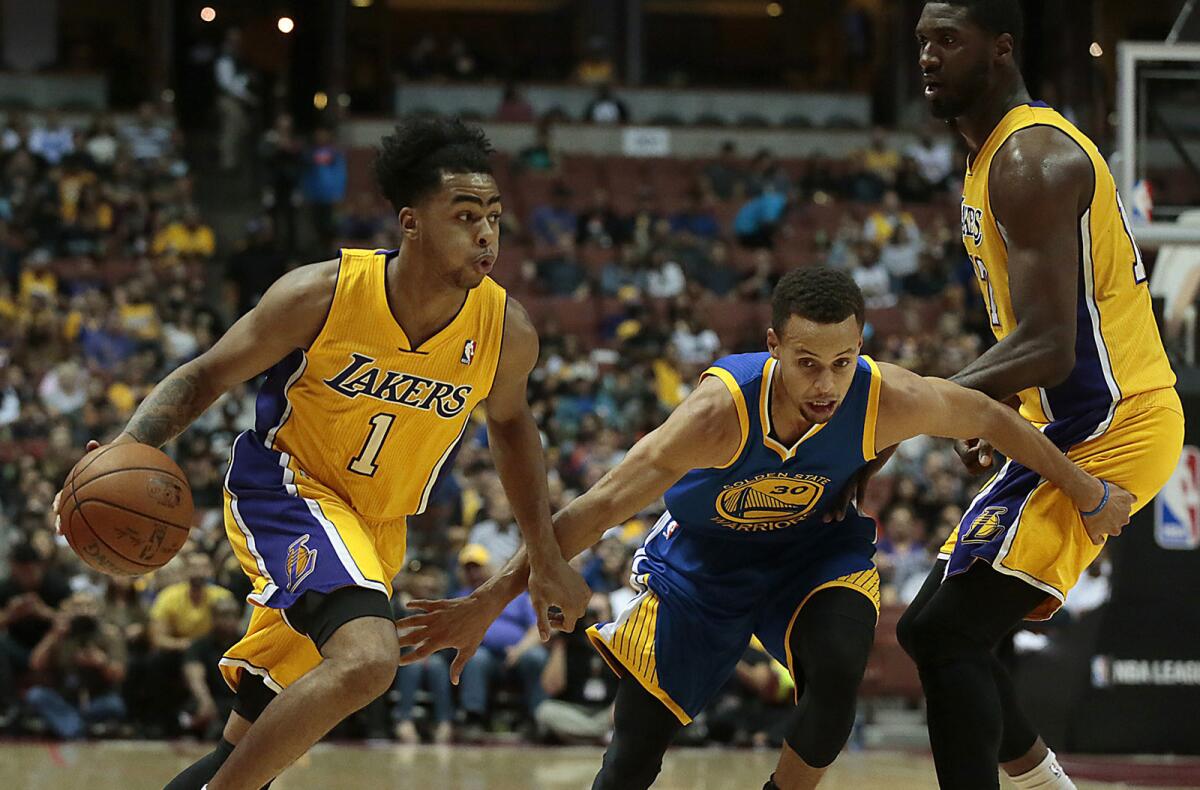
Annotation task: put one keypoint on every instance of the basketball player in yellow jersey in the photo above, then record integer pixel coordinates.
(377, 359)
(1065, 290)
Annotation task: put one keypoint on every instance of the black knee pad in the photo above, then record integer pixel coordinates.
(196, 775)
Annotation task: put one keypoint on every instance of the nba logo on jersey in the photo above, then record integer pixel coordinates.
(301, 561)
(468, 352)
(1177, 507)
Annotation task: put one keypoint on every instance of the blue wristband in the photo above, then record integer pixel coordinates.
(1100, 506)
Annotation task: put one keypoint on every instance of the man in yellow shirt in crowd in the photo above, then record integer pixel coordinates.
(180, 614)
(186, 236)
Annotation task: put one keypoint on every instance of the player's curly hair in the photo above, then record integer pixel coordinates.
(409, 162)
(819, 294)
(994, 16)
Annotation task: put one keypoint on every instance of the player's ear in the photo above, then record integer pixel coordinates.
(1005, 46)
(408, 223)
(773, 342)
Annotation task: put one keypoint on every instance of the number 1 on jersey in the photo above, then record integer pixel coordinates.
(364, 462)
(989, 295)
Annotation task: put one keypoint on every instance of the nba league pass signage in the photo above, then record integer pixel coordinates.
(1143, 666)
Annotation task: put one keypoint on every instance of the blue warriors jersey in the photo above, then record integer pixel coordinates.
(769, 492)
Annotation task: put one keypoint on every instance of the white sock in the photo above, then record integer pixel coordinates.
(1048, 775)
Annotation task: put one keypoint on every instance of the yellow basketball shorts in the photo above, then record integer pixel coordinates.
(293, 535)
(1025, 527)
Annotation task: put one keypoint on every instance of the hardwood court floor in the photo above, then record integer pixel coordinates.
(147, 766)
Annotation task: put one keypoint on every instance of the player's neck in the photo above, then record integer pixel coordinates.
(977, 126)
(787, 423)
(421, 302)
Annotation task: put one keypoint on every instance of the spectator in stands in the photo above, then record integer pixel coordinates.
(901, 255)
(551, 221)
(580, 687)
(460, 62)
(29, 600)
(901, 555)
(541, 157)
(694, 343)
(102, 142)
(426, 582)
(422, 61)
(623, 274)
(211, 698)
(752, 708)
(514, 107)
(148, 138)
(180, 614)
(63, 390)
(52, 139)
(280, 153)
(695, 223)
(81, 661)
(766, 174)
(759, 282)
(186, 235)
(599, 224)
(16, 132)
(560, 272)
(511, 649)
(724, 177)
(605, 570)
(664, 279)
(498, 533)
(872, 278)
(934, 158)
(879, 162)
(363, 221)
(758, 219)
(881, 223)
(605, 107)
(235, 101)
(324, 184)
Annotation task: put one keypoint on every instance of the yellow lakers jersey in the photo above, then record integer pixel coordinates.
(366, 414)
(1118, 352)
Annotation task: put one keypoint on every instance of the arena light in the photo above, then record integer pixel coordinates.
(285, 24)
(208, 13)
(361, 3)
(320, 100)
(1096, 50)
(343, 100)
(774, 10)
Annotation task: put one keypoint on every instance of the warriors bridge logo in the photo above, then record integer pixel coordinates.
(769, 502)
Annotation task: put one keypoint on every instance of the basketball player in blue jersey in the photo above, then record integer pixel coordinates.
(750, 466)
(376, 362)
(1065, 291)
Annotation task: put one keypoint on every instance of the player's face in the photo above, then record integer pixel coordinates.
(459, 227)
(816, 363)
(956, 59)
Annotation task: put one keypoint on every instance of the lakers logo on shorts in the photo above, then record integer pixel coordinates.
(985, 526)
(301, 561)
(769, 502)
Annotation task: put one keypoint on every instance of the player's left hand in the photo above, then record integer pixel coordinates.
(856, 489)
(559, 594)
(1111, 520)
(458, 623)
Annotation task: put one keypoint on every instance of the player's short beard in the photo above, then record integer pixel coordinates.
(947, 107)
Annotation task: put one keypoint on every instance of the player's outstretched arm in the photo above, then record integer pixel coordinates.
(517, 452)
(910, 405)
(1040, 185)
(702, 432)
(289, 316)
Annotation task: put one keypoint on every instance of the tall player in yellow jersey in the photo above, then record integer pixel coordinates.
(376, 362)
(1065, 290)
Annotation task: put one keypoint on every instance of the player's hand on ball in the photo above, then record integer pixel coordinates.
(556, 585)
(458, 623)
(1113, 517)
(976, 455)
(92, 445)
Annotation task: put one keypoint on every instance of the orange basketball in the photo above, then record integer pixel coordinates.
(126, 509)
